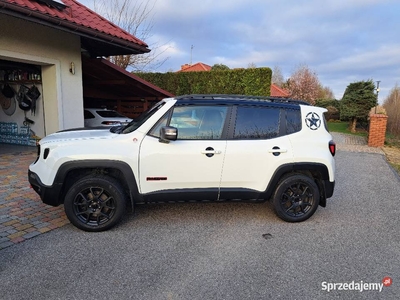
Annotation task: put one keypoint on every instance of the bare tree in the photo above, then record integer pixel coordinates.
(137, 18)
(277, 77)
(392, 106)
(325, 93)
(304, 84)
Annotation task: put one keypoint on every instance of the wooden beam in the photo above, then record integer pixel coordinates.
(105, 82)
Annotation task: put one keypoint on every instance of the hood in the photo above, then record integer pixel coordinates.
(78, 134)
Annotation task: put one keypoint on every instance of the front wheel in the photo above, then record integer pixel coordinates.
(296, 198)
(95, 203)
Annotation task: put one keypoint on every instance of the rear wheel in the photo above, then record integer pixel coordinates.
(296, 198)
(95, 203)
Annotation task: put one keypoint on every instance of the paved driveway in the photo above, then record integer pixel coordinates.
(22, 214)
(226, 251)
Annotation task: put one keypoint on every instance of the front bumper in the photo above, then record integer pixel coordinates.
(49, 194)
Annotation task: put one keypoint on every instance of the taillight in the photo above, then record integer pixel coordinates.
(332, 147)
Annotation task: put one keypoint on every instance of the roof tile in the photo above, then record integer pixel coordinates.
(198, 67)
(80, 15)
(278, 92)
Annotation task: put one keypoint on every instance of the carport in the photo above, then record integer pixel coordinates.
(109, 86)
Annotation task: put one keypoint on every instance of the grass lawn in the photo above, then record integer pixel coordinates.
(392, 150)
(392, 140)
(343, 127)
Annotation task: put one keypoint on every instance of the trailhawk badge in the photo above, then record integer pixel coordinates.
(313, 121)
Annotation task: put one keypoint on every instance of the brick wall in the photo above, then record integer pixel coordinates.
(377, 130)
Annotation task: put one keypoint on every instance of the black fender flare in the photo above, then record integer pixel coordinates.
(122, 167)
(319, 168)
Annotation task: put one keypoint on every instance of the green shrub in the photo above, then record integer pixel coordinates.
(253, 81)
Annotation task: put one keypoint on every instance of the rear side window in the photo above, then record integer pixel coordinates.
(257, 123)
(293, 121)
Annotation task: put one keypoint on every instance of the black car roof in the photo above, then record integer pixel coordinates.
(236, 99)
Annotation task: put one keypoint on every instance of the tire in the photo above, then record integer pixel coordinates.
(95, 203)
(296, 198)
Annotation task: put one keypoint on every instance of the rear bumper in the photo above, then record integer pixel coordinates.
(49, 194)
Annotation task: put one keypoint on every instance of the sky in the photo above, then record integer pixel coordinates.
(342, 41)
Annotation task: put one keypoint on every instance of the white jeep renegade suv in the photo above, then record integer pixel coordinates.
(191, 148)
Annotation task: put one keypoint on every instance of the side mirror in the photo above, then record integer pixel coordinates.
(167, 134)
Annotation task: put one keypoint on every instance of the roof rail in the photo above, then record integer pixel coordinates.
(240, 97)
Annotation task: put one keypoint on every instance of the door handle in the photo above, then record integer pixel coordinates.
(209, 152)
(276, 151)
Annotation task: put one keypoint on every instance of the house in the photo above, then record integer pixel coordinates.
(278, 92)
(197, 67)
(59, 47)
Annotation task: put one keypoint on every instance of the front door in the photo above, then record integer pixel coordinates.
(192, 163)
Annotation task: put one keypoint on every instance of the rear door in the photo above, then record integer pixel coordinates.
(192, 163)
(258, 146)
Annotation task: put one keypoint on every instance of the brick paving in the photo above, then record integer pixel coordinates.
(354, 143)
(22, 213)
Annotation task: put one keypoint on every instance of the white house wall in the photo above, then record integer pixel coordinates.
(61, 103)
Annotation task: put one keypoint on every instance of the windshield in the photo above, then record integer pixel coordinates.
(137, 122)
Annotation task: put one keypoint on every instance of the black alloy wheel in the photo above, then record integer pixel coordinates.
(296, 198)
(95, 203)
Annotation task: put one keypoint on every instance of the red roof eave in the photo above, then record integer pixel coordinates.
(137, 78)
(82, 23)
(197, 67)
(278, 92)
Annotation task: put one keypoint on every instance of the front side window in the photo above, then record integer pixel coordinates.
(257, 122)
(194, 122)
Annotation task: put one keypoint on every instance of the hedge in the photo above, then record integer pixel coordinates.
(252, 81)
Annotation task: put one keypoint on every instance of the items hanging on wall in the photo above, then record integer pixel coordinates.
(7, 91)
(27, 98)
(8, 104)
(20, 89)
(23, 103)
(33, 94)
(19, 75)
